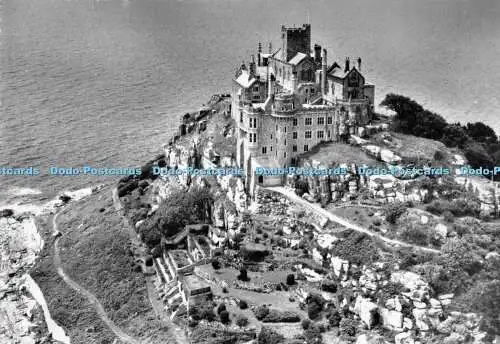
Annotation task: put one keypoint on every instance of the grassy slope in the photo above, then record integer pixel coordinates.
(67, 308)
(95, 253)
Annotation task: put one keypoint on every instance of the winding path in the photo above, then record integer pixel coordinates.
(337, 219)
(178, 334)
(87, 294)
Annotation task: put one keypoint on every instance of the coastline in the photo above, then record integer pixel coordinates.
(25, 314)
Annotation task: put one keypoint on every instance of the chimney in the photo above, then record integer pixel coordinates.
(317, 53)
(259, 53)
(252, 66)
(347, 68)
(294, 82)
(269, 84)
(270, 47)
(359, 64)
(323, 73)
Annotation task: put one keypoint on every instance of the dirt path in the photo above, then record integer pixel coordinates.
(85, 293)
(337, 219)
(178, 334)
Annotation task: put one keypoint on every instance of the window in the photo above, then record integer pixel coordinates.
(306, 148)
(255, 122)
(285, 142)
(295, 122)
(294, 148)
(271, 148)
(257, 97)
(250, 138)
(253, 138)
(264, 150)
(276, 127)
(241, 117)
(294, 135)
(309, 121)
(250, 122)
(271, 136)
(312, 90)
(308, 134)
(284, 155)
(307, 90)
(285, 129)
(329, 120)
(329, 134)
(256, 88)
(321, 120)
(320, 134)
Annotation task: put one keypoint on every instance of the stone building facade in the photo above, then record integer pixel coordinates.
(288, 100)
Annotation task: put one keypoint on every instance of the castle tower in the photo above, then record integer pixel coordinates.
(295, 40)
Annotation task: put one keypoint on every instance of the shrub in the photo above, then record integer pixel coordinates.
(243, 276)
(334, 318)
(290, 279)
(438, 156)
(393, 211)
(314, 305)
(243, 304)
(221, 308)
(347, 327)
(216, 264)
(276, 316)
(224, 317)
(261, 312)
(241, 321)
(329, 286)
(306, 323)
(269, 336)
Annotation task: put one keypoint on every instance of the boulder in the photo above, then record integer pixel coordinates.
(391, 319)
(366, 310)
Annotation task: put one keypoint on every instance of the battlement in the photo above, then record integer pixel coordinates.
(295, 40)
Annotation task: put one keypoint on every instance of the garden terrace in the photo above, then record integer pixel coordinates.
(179, 258)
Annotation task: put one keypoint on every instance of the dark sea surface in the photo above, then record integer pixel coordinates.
(105, 82)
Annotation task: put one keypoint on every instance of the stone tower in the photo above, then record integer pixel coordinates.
(295, 40)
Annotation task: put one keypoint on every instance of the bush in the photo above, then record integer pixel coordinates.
(243, 304)
(216, 264)
(290, 279)
(243, 276)
(329, 286)
(393, 211)
(438, 156)
(269, 336)
(221, 308)
(241, 321)
(276, 316)
(306, 323)
(334, 318)
(261, 312)
(348, 327)
(314, 305)
(224, 317)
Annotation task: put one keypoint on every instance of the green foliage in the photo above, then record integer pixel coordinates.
(306, 323)
(243, 304)
(290, 279)
(269, 336)
(221, 308)
(243, 276)
(241, 321)
(358, 248)
(393, 211)
(261, 312)
(315, 304)
(481, 132)
(334, 318)
(224, 317)
(348, 327)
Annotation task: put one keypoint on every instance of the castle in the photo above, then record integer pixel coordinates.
(290, 100)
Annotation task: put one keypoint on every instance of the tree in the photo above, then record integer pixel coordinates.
(243, 304)
(269, 336)
(243, 276)
(221, 308)
(241, 321)
(224, 317)
(480, 132)
(290, 279)
(334, 318)
(216, 264)
(315, 304)
(454, 135)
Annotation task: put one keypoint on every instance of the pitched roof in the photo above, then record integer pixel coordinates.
(245, 80)
(297, 58)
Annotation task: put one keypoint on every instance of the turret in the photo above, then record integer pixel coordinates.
(317, 53)
(347, 68)
(323, 73)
